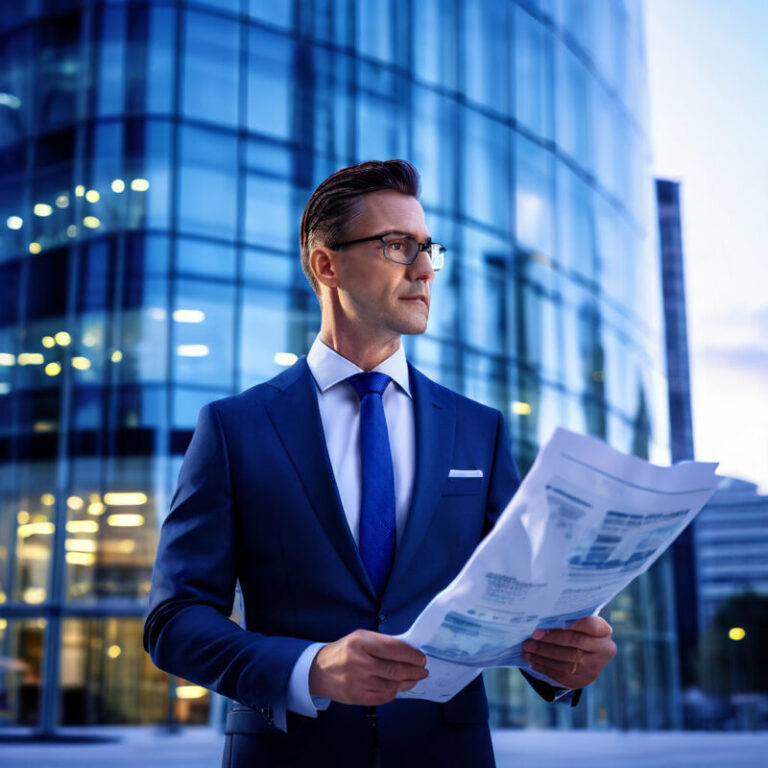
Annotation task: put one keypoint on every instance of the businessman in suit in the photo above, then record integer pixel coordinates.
(327, 493)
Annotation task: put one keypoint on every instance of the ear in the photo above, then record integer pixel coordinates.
(323, 263)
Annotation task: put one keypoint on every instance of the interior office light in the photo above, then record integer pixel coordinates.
(22, 517)
(48, 342)
(125, 520)
(34, 595)
(5, 387)
(92, 196)
(118, 185)
(62, 338)
(116, 356)
(736, 633)
(139, 185)
(192, 350)
(96, 508)
(35, 247)
(35, 529)
(285, 358)
(521, 408)
(14, 222)
(188, 315)
(42, 209)
(47, 499)
(75, 502)
(6, 358)
(190, 691)
(80, 558)
(71, 230)
(79, 190)
(114, 651)
(53, 369)
(125, 498)
(62, 201)
(82, 526)
(92, 222)
(81, 363)
(30, 358)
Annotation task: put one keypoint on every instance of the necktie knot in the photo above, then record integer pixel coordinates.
(372, 381)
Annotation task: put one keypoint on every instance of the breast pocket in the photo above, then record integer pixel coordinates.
(462, 486)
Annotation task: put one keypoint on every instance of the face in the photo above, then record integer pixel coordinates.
(385, 298)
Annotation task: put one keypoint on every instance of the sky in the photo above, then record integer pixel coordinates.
(708, 81)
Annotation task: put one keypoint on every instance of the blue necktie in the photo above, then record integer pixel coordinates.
(377, 504)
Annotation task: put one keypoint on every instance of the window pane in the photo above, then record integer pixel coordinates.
(210, 68)
(434, 54)
(111, 66)
(208, 194)
(203, 258)
(276, 12)
(377, 22)
(533, 74)
(269, 222)
(486, 30)
(534, 206)
(270, 74)
(22, 641)
(575, 222)
(571, 90)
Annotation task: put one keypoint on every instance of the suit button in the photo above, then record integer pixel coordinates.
(382, 618)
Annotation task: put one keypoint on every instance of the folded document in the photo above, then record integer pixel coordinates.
(585, 522)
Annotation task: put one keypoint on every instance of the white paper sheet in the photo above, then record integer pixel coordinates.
(585, 522)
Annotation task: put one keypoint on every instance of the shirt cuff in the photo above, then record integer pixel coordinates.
(299, 699)
(560, 695)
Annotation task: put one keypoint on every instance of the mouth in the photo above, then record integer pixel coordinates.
(422, 299)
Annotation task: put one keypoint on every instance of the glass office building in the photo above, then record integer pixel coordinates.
(155, 158)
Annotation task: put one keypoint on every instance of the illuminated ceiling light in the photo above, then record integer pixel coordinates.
(157, 313)
(116, 356)
(92, 222)
(285, 358)
(35, 247)
(125, 520)
(190, 692)
(63, 338)
(47, 499)
(118, 185)
(192, 350)
(6, 358)
(48, 342)
(92, 196)
(118, 547)
(114, 651)
(82, 526)
(736, 633)
(44, 426)
(96, 508)
(3, 596)
(34, 595)
(125, 498)
(30, 358)
(94, 497)
(75, 502)
(90, 338)
(139, 185)
(3, 624)
(53, 369)
(5, 387)
(22, 517)
(62, 201)
(79, 190)
(35, 529)
(520, 408)
(14, 222)
(81, 363)
(80, 545)
(71, 231)
(42, 209)
(188, 316)
(80, 558)
(10, 101)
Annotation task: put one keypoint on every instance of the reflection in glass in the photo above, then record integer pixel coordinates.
(21, 648)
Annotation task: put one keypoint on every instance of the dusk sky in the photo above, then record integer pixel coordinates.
(708, 67)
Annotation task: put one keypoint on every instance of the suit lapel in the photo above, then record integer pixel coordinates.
(435, 421)
(296, 417)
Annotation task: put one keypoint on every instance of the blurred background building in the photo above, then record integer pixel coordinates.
(155, 158)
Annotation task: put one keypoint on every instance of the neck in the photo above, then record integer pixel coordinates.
(358, 347)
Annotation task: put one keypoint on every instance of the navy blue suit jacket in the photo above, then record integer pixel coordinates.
(257, 503)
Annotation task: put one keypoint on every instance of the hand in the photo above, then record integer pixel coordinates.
(574, 657)
(365, 668)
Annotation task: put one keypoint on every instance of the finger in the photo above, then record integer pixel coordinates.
(596, 626)
(560, 677)
(566, 638)
(390, 649)
(395, 670)
(566, 666)
(552, 651)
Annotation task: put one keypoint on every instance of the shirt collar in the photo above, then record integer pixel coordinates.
(328, 367)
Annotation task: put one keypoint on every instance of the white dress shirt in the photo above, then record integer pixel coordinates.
(340, 416)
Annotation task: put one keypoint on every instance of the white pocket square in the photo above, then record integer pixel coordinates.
(465, 473)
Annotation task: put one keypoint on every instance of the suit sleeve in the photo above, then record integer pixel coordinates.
(188, 632)
(503, 483)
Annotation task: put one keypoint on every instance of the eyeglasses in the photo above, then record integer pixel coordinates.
(403, 248)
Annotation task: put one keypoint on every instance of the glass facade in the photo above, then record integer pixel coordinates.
(155, 158)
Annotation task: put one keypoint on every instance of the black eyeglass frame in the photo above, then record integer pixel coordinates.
(427, 245)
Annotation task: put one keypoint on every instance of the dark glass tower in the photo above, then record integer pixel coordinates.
(155, 158)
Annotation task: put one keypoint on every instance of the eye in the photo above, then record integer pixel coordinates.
(397, 245)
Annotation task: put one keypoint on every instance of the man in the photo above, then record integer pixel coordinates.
(328, 493)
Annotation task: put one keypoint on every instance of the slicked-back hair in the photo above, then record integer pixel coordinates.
(337, 202)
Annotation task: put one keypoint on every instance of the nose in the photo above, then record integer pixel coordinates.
(421, 269)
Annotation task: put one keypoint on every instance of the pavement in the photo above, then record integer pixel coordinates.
(139, 747)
